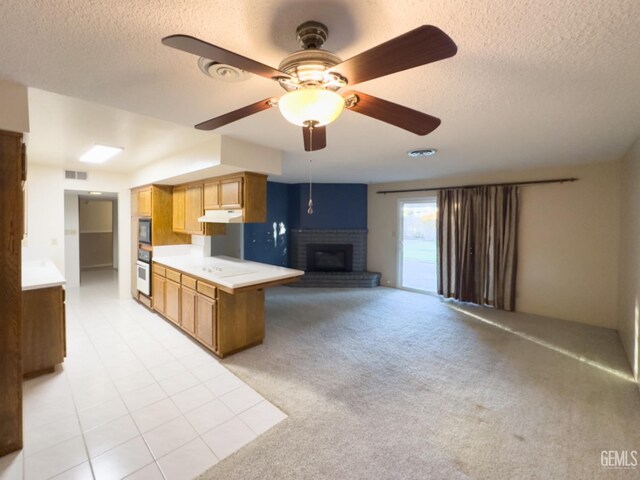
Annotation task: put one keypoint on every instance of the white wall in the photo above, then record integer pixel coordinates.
(46, 209)
(71, 240)
(218, 156)
(96, 216)
(629, 290)
(14, 109)
(568, 239)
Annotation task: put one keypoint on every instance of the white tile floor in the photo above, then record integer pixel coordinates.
(134, 399)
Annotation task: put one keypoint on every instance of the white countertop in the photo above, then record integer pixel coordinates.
(40, 274)
(228, 271)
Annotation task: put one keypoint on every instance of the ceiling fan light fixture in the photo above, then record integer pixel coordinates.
(315, 105)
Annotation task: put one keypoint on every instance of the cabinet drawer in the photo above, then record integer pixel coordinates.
(189, 281)
(159, 270)
(172, 275)
(206, 289)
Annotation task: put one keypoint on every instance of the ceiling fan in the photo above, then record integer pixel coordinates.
(312, 77)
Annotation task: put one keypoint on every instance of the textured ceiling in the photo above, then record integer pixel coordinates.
(535, 83)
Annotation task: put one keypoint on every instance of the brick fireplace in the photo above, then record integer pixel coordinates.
(342, 255)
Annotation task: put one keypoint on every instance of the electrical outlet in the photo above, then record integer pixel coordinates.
(54, 241)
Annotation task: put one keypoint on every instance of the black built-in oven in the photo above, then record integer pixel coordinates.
(144, 230)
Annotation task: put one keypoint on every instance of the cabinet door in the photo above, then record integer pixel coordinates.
(206, 320)
(172, 301)
(212, 196)
(194, 210)
(144, 202)
(158, 288)
(188, 309)
(231, 193)
(179, 195)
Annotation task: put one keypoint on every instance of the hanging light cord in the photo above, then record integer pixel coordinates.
(310, 209)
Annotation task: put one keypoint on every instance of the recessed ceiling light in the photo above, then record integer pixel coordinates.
(100, 154)
(423, 152)
(95, 193)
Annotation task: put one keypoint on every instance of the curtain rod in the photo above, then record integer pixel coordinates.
(532, 182)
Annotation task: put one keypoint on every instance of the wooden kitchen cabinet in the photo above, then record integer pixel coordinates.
(193, 209)
(172, 301)
(144, 201)
(158, 288)
(187, 208)
(12, 174)
(206, 319)
(231, 193)
(43, 330)
(212, 196)
(188, 309)
(179, 209)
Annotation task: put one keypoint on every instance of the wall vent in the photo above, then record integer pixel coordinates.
(73, 175)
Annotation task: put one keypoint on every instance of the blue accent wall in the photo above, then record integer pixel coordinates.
(260, 244)
(335, 206)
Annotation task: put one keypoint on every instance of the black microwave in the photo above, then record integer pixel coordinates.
(144, 230)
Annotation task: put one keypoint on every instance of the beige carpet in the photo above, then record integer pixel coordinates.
(388, 384)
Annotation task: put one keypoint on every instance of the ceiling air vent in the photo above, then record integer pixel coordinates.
(73, 175)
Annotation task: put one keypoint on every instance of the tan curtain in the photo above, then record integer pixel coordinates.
(477, 245)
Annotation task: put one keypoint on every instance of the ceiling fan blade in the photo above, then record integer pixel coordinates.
(201, 48)
(389, 112)
(319, 138)
(236, 115)
(420, 46)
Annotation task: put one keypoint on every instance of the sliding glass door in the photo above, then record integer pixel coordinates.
(417, 248)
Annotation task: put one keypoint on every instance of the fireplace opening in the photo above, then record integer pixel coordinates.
(329, 257)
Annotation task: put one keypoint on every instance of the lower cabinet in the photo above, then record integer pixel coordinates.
(158, 287)
(206, 321)
(43, 330)
(188, 309)
(172, 301)
(223, 322)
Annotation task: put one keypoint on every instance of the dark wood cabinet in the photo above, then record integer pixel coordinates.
(43, 330)
(12, 173)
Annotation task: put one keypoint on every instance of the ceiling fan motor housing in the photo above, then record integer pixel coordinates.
(312, 35)
(308, 68)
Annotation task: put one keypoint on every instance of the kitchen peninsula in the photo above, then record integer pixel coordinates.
(218, 301)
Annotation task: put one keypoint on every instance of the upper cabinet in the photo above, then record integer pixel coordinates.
(231, 193)
(193, 210)
(247, 191)
(179, 196)
(223, 194)
(212, 195)
(187, 208)
(144, 201)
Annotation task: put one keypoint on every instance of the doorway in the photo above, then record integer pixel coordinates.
(417, 244)
(91, 235)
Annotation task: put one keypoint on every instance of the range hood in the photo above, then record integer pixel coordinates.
(222, 216)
